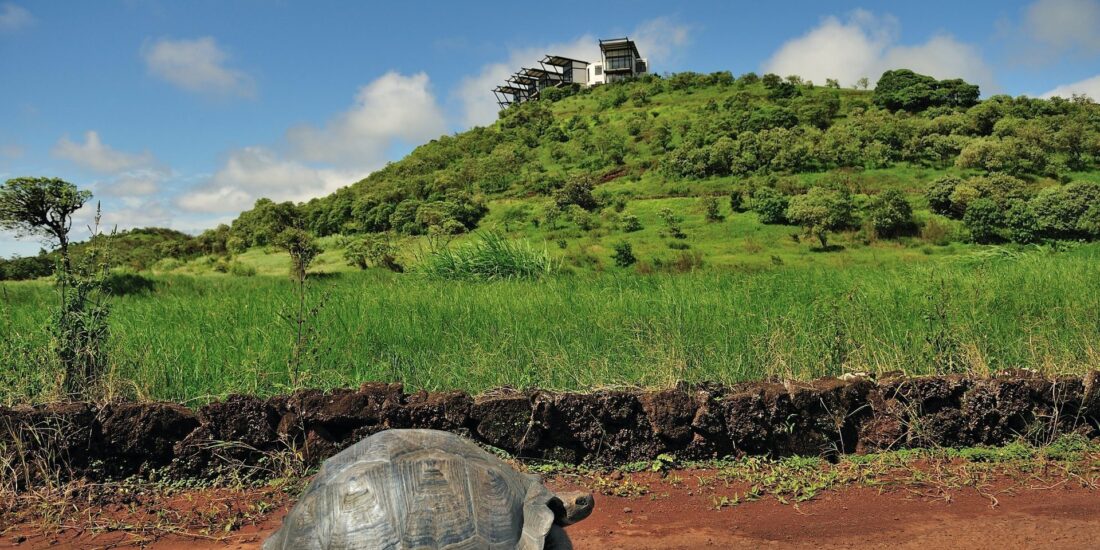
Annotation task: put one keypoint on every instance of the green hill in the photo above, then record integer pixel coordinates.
(586, 169)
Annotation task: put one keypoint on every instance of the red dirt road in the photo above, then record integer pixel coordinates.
(683, 515)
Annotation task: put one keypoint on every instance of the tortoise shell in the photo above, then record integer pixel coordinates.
(424, 489)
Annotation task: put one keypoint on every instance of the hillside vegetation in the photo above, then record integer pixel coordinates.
(688, 227)
(693, 169)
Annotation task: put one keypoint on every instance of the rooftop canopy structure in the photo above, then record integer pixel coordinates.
(619, 59)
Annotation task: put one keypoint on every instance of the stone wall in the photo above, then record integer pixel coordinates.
(825, 417)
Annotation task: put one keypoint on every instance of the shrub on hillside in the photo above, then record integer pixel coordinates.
(672, 223)
(491, 257)
(903, 89)
(983, 219)
(737, 200)
(624, 254)
(1021, 223)
(890, 214)
(577, 191)
(770, 205)
(820, 211)
(631, 223)
(939, 195)
(373, 249)
(1062, 211)
(711, 210)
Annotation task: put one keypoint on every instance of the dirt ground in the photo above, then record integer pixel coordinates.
(680, 509)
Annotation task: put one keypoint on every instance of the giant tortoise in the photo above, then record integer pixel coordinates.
(426, 489)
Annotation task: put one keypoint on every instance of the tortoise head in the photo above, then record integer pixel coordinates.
(571, 507)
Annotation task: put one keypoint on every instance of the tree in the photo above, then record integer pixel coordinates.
(890, 213)
(577, 191)
(624, 254)
(302, 249)
(770, 205)
(906, 90)
(821, 210)
(42, 206)
(939, 195)
(1021, 223)
(672, 221)
(712, 211)
(983, 219)
(372, 249)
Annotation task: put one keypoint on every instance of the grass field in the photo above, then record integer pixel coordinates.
(197, 337)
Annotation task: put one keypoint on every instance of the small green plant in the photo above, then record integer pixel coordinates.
(737, 200)
(712, 212)
(631, 223)
(624, 254)
(80, 326)
(372, 249)
(672, 222)
(302, 250)
(770, 204)
(241, 269)
(492, 257)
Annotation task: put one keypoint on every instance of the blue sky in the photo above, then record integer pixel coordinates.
(180, 114)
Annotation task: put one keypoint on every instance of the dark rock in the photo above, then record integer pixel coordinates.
(448, 411)
(65, 433)
(507, 422)
(670, 414)
(244, 419)
(604, 427)
(143, 434)
(339, 412)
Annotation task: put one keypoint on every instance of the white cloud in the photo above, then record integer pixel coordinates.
(14, 17)
(96, 156)
(1088, 86)
(11, 151)
(659, 40)
(254, 172)
(865, 45)
(138, 183)
(1065, 24)
(390, 109)
(316, 161)
(197, 65)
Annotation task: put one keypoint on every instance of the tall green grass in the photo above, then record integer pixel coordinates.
(492, 257)
(199, 337)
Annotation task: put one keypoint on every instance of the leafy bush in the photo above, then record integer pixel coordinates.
(1062, 211)
(983, 219)
(820, 211)
(1021, 223)
(737, 200)
(631, 223)
(906, 90)
(624, 254)
(711, 209)
(770, 205)
(492, 257)
(890, 214)
(672, 222)
(577, 191)
(374, 249)
(939, 195)
(241, 269)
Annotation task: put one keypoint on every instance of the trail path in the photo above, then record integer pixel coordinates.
(683, 515)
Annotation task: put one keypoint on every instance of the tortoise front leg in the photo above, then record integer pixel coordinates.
(556, 539)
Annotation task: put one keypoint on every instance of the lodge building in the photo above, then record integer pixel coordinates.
(619, 60)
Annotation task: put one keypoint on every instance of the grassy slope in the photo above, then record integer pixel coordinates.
(202, 336)
(763, 303)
